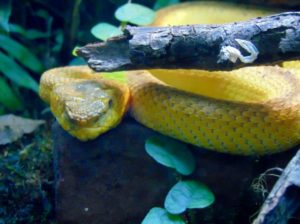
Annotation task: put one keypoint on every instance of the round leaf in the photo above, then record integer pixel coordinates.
(135, 13)
(171, 153)
(188, 194)
(103, 31)
(161, 216)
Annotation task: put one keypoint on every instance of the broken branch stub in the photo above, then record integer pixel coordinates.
(284, 199)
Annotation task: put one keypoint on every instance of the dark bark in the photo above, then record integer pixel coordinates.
(288, 4)
(276, 38)
(284, 199)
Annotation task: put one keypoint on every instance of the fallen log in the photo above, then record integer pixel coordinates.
(211, 47)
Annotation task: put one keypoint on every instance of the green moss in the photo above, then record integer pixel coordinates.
(26, 180)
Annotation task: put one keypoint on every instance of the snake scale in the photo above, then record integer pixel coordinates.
(249, 111)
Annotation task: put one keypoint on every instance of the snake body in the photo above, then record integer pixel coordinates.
(249, 111)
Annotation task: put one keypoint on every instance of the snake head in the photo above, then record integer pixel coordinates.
(88, 108)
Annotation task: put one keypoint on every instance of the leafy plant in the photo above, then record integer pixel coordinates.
(135, 13)
(128, 13)
(186, 194)
(171, 153)
(160, 215)
(103, 31)
(16, 61)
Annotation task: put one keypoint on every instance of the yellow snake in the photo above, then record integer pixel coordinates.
(249, 111)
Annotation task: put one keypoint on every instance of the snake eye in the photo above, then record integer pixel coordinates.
(110, 103)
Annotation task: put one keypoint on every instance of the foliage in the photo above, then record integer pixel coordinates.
(16, 73)
(8, 98)
(171, 153)
(128, 13)
(17, 61)
(135, 13)
(161, 216)
(5, 12)
(37, 35)
(103, 31)
(186, 194)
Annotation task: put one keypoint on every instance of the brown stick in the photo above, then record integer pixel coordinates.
(211, 47)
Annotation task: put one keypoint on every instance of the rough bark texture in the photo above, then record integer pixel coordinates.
(276, 38)
(284, 199)
(289, 4)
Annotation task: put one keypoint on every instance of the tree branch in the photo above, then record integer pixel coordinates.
(284, 199)
(211, 47)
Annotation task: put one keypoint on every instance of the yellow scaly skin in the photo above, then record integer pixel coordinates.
(84, 104)
(249, 111)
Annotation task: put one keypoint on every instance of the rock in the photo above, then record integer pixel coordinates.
(112, 180)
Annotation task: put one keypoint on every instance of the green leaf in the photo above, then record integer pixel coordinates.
(5, 11)
(21, 53)
(16, 73)
(161, 216)
(59, 40)
(135, 13)
(30, 34)
(171, 153)
(103, 31)
(2, 111)
(77, 61)
(43, 14)
(33, 34)
(164, 3)
(188, 194)
(8, 98)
